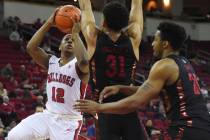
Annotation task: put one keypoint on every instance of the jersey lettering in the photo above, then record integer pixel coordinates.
(61, 78)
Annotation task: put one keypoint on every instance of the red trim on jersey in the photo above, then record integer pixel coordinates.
(83, 87)
(77, 130)
(93, 69)
(180, 134)
(133, 72)
(182, 102)
(144, 130)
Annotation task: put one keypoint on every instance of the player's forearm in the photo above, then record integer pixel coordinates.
(87, 14)
(81, 53)
(85, 5)
(38, 37)
(136, 13)
(128, 90)
(136, 4)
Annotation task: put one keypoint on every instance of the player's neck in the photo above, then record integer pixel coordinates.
(112, 34)
(65, 59)
(169, 52)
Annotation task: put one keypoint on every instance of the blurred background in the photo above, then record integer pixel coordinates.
(22, 82)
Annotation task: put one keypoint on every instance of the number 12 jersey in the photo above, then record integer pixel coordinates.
(64, 87)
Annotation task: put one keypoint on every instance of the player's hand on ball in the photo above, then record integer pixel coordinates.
(51, 19)
(66, 16)
(76, 27)
(108, 91)
(88, 106)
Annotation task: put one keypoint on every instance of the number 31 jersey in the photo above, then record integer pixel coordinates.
(64, 87)
(113, 62)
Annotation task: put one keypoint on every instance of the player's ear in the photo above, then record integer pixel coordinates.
(165, 44)
(59, 48)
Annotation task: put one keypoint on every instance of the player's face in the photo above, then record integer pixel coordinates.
(66, 44)
(157, 45)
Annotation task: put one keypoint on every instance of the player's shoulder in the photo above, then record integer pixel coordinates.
(53, 59)
(165, 62)
(162, 69)
(74, 60)
(165, 65)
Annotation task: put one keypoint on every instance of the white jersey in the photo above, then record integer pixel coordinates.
(64, 87)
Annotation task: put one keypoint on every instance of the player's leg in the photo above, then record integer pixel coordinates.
(109, 127)
(65, 129)
(21, 132)
(32, 128)
(132, 128)
(195, 134)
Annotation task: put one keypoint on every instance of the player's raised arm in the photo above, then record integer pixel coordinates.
(88, 25)
(80, 52)
(38, 54)
(135, 27)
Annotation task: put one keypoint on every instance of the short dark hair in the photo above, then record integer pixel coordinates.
(173, 33)
(116, 15)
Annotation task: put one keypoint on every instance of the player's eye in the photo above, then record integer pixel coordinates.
(67, 39)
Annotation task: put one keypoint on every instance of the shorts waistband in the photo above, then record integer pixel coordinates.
(65, 116)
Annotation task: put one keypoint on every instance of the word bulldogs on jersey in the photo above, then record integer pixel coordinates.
(55, 77)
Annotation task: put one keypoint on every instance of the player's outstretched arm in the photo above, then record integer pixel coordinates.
(38, 54)
(80, 52)
(88, 25)
(135, 27)
(150, 89)
(87, 20)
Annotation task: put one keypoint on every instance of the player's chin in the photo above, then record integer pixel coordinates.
(69, 49)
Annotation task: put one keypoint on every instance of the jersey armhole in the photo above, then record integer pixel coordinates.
(79, 73)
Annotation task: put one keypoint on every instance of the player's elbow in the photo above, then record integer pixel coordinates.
(135, 105)
(84, 66)
(132, 107)
(84, 62)
(128, 109)
(29, 48)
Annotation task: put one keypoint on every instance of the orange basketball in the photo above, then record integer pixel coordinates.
(66, 16)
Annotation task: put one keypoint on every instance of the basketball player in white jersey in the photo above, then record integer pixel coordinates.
(66, 82)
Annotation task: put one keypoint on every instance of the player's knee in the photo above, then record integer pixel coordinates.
(20, 133)
(14, 135)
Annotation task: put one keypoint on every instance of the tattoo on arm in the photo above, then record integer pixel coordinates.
(146, 86)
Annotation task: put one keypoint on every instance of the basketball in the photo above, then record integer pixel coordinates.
(66, 16)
